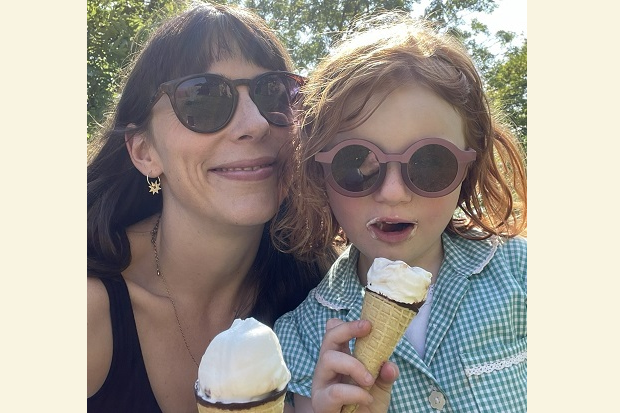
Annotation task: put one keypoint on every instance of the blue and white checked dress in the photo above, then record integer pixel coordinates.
(476, 343)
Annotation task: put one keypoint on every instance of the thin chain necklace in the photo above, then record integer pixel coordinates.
(160, 275)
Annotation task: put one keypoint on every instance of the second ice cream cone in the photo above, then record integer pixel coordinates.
(242, 371)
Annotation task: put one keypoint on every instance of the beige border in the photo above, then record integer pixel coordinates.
(574, 143)
(42, 207)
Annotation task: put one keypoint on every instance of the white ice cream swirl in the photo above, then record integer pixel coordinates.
(242, 364)
(398, 281)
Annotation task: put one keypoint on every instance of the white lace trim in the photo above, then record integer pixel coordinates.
(496, 365)
(328, 304)
(494, 245)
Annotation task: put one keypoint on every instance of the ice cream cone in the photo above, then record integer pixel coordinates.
(242, 370)
(389, 323)
(270, 406)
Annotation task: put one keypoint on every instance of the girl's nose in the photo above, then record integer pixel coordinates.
(393, 190)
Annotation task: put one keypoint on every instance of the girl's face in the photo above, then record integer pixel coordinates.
(229, 177)
(393, 222)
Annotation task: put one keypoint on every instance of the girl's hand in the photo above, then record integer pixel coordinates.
(336, 371)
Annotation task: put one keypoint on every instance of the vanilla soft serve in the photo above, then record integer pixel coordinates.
(398, 281)
(242, 364)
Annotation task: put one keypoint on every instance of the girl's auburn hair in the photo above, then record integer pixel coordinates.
(378, 55)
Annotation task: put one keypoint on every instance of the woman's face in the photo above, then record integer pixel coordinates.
(408, 114)
(229, 177)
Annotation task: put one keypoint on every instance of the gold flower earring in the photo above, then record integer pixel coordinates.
(155, 186)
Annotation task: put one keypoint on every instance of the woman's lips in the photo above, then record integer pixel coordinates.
(255, 170)
(391, 230)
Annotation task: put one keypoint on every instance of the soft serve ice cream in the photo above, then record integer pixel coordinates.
(398, 281)
(242, 367)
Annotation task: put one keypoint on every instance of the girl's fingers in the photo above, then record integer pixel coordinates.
(333, 365)
(335, 358)
(332, 398)
(387, 375)
(339, 378)
(382, 390)
(336, 367)
(338, 333)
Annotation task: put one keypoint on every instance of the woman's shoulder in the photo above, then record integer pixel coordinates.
(97, 300)
(99, 333)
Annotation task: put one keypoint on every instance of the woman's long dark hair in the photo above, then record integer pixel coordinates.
(188, 43)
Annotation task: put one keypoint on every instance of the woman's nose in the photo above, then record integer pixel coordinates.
(247, 120)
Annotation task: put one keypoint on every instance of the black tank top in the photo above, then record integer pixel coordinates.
(127, 387)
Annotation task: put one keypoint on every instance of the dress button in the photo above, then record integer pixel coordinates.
(437, 400)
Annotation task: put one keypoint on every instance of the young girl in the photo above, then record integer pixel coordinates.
(404, 158)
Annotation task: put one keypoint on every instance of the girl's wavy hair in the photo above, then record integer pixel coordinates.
(378, 55)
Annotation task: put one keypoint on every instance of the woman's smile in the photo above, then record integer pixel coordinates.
(251, 170)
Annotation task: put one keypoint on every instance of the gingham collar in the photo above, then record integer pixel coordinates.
(340, 288)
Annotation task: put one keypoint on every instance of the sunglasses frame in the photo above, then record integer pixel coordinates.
(463, 157)
(170, 87)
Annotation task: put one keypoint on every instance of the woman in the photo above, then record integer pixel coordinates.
(180, 195)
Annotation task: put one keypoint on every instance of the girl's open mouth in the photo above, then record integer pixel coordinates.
(388, 230)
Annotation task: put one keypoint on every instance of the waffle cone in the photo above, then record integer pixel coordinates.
(271, 406)
(389, 323)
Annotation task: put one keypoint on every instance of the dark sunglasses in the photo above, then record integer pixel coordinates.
(205, 103)
(431, 167)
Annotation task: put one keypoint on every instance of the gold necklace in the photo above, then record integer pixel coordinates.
(160, 275)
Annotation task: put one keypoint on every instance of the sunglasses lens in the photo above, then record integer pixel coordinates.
(204, 104)
(432, 168)
(274, 96)
(355, 168)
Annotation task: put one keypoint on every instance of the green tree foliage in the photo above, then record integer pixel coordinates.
(308, 28)
(114, 29)
(507, 88)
